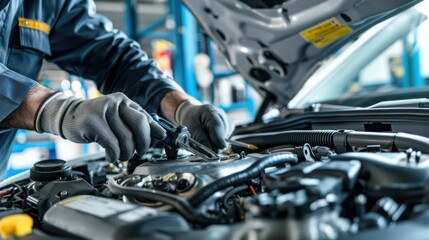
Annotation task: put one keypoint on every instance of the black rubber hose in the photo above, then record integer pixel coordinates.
(179, 204)
(243, 176)
(340, 140)
(295, 137)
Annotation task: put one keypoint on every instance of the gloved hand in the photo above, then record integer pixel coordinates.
(118, 124)
(207, 124)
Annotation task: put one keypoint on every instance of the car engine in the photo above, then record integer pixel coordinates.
(299, 184)
(320, 172)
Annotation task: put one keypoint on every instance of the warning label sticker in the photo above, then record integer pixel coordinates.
(326, 32)
(99, 207)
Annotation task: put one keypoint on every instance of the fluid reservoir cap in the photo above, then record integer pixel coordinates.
(50, 170)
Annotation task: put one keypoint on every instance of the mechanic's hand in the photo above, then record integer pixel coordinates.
(207, 124)
(118, 124)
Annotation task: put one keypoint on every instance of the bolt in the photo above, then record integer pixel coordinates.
(136, 178)
(409, 152)
(63, 194)
(360, 201)
(158, 181)
(418, 156)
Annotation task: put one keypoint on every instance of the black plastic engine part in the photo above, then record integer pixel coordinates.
(296, 203)
(50, 170)
(301, 214)
(91, 217)
(348, 172)
(56, 191)
(384, 169)
(384, 212)
(414, 228)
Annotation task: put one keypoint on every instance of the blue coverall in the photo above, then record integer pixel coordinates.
(70, 34)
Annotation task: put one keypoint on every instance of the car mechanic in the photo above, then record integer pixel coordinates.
(70, 34)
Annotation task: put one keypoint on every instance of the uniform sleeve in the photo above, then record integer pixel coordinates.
(85, 44)
(14, 87)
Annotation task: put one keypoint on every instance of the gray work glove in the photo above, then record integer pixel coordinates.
(207, 124)
(114, 121)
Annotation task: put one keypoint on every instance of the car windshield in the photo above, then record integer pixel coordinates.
(390, 61)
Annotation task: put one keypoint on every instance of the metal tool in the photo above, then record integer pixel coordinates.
(242, 144)
(179, 137)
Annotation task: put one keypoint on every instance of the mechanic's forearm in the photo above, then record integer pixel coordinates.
(170, 102)
(23, 117)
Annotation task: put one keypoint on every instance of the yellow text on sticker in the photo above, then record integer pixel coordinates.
(326, 32)
(69, 200)
(34, 24)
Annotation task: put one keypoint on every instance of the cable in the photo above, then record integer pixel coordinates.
(252, 189)
(243, 176)
(178, 203)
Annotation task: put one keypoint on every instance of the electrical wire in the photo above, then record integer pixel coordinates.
(252, 189)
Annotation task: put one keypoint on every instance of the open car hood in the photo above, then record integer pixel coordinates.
(276, 45)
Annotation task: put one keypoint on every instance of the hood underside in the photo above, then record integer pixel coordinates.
(276, 45)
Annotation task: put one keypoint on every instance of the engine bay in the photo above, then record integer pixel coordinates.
(314, 170)
(299, 184)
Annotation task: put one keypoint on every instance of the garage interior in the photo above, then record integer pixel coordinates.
(330, 105)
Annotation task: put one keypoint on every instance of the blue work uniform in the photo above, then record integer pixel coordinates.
(72, 35)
